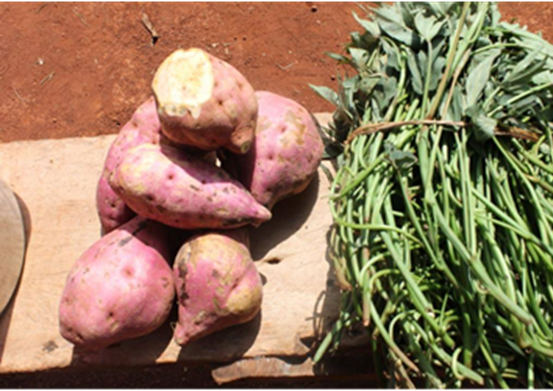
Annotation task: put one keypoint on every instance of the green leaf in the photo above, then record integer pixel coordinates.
(484, 127)
(392, 56)
(496, 15)
(479, 76)
(389, 13)
(521, 106)
(326, 93)
(437, 71)
(422, 62)
(370, 27)
(456, 107)
(359, 57)
(524, 69)
(401, 160)
(443, 8)
(438, 44)
(350, 86)
(543, 78)
(390, 89)
(383, 93)
(526, 38)
(391, 24)
(367, 84)
(427, 27)
(407, 9)
(416, 78)
(338, 57)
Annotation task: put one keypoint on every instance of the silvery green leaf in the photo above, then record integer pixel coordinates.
(390, 89)
(348, 89)
(482, 42)
(375, 110)
(437, 71)
(543, 78)
(456, 106)
(442, 8)
(422, 62)
(427, 27)
(392, 56)
(483, 127)
(356, 40)
(370, 27)
(359, 56)
(384, 92)
(416, 78)
(392, 24)
(473, 111)
(351, 83)
(366, 85)
(525, 68)
(436, 30)
(496, 15)
(438, 44)
(401, 160)
(479, 76)
(338, 57)
(504, 99)
(407, 10)
(527, 38)
(326, 93)
(389, 13)
(522, 105)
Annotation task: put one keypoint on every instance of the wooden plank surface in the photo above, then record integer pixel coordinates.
(56, 181)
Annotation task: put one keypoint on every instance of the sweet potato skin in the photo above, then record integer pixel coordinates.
(144, 127)
(217, 284)
(286, 152)
(120, 288)
(227, 119)
(183, 191)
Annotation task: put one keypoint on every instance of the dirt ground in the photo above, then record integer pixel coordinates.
(81, 69)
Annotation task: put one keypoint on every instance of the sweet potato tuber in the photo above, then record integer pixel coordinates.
(120, 288)
(144, 127)
(286, 152)
(183, 191)
(204, 102)
(217, 284)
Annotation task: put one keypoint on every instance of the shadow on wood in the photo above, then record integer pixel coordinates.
(289, 215)
(26, 215)
(236, 341)
(137, 351)
(5, 318)
(353, 340)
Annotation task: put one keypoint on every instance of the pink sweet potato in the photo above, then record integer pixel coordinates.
(217, 284)
(183, 191)
(286, 152)
(144, 127)
(120, 288)
(204, 102)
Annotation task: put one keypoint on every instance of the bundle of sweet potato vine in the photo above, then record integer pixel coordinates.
(198, 162)
(443, 196)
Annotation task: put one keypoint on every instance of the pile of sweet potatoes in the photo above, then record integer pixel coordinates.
(202, 159)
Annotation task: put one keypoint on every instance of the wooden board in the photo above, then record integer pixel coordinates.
(56, 180)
